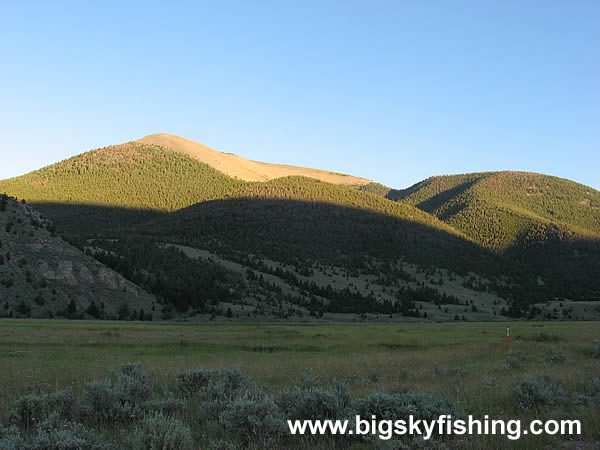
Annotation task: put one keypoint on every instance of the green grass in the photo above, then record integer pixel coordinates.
(463, 360)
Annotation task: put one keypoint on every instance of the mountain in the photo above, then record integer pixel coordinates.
(41, 275)
(241, 168)
(281, 237)
(530, 198)
(546, 222)
(299, 219)
(115, 186)
(303, 224)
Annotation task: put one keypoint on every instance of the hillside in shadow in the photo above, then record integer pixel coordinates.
(94, 220)
(302, 233)
(299, 232)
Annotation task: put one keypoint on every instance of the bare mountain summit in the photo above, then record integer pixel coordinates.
(241, 168)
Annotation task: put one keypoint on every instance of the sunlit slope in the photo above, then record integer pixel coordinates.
(502, 210)
(120, 182)
(548, 223)
(241, 168)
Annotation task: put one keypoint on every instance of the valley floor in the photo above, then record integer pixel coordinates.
(467, 362)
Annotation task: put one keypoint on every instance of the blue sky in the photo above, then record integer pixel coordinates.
(392, 91)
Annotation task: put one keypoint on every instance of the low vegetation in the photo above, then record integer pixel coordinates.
(202, 387)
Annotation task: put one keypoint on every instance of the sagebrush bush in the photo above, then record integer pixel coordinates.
(421, 406)
(160, 432)
(259, 420)
(591, 393)
(341, 391)
(308, 380)
(169, 406)
(119, 400)
(214, 389)
(33, 408)
(101, 403)
(514, 359)
(308, 404)
(556, 355)
(305, 401)
(55, 433)
(398, 406)
(417, 443)
(222, 445)
(212, 384)
(10, 438)
(592, 387)
(537, 393)
(134, 384)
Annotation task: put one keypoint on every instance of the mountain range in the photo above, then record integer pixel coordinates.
(209, 234)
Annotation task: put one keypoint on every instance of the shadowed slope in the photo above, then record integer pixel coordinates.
(299, 219)
(41, 274)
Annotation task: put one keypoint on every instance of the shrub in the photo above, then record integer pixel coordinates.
(596, 353)
(305, 401)
(341, 392)
(222, 445)
(592, 388)
(34, 408)
(212, 384)
(308, 404)
(100, 403)
(103, 402)
(192, 381)
(556, 355)
(56, 434)
(537, 392)
(169, 406)
(398, 406)
(134, 385)
(159, 432)
(10, 438)
(119, 400)
(514, 359)
(372, 377)
(259, 420)
(214, 389)
(418, 443)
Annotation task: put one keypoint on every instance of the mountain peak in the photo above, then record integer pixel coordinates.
(242, 168)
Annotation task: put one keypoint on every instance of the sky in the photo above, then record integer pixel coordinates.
(391, 91)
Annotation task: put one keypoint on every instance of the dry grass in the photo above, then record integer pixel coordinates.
(241, 168)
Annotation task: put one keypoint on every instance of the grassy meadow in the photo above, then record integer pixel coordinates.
(466, 362)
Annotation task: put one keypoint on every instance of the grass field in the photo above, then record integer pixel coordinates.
(465, 361)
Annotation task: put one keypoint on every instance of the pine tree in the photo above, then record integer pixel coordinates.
(93, 310)
(71, 309)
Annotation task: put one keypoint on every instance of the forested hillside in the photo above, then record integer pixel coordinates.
(546, 222)
(517, 238)
(297, 219)
(304, 222)
(119, 185)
